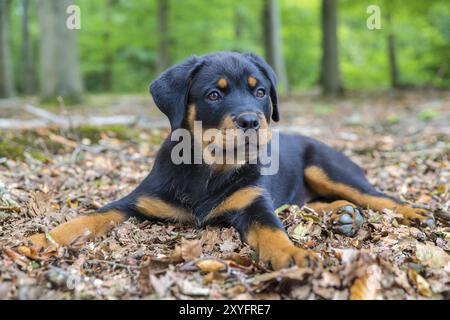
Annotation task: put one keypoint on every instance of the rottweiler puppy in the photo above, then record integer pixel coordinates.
(233, 91)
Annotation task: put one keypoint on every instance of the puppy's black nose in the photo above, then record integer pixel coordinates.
(248, 121)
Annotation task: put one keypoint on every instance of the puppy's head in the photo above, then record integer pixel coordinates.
(223, 90)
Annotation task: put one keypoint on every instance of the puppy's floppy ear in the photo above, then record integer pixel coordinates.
(171, 90)
(264, 67)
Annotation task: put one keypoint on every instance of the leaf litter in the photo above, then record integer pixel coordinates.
(143, 260)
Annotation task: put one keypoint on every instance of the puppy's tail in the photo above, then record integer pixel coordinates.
(80, 229)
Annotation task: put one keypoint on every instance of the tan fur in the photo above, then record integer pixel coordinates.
(90, 226)
(327, 207)
(191, 115)
(252, 82)
(156, 208)
(227, 123)
(222, 83)
(228, 126)
(321, 184)
(273, 246)
(239, 200)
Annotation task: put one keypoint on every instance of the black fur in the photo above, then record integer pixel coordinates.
(199, 188)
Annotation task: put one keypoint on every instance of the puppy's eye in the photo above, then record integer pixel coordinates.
(214, 96)
(260, 93)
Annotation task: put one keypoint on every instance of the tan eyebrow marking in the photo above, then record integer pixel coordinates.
(252, 82)
(222, 83)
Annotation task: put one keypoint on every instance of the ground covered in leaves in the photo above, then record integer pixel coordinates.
(50, 175)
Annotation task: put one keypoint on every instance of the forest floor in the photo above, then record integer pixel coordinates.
(49, 175)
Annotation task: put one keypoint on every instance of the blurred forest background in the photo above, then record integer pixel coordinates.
(123, 44)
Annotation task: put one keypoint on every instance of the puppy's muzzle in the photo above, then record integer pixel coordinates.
(246, 121)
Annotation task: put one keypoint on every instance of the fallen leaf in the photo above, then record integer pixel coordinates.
(28, 252)
(301, 230)
(346, 256)
(432, 256)
(162, 284)
(214, 277)
(191, 288)
(239, 259)
(424, 198)
(228, 246)
(210, 238)
(176, 256)
(39, 203)
(16, 257)
(367, 286)
(190, 249)
(281, 209)
(211, 265)
(278, 276)
(420, 283)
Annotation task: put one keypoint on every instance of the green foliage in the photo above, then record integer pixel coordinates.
(118, 42)
(13, 146)
(429, 115)
(95, 133)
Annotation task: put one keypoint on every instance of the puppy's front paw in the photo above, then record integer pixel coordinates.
(279, 258)
(276, 250)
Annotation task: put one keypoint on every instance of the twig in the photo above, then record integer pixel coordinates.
(114, 264)
(9, 209)
(78, 121)
(43, 114)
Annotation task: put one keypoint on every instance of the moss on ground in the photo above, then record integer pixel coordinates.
(15, 144)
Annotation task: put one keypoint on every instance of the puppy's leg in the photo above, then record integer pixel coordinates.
(95, 225)
(252, 214)
(341, 179)
(84, 227)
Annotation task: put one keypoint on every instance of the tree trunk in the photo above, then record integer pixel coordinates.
(392, 55)
(238, 23)
(330, 74)
(272, 40)
(108, 59)
(27, 53)
(163, 28)
(59, 65)
(6, 72)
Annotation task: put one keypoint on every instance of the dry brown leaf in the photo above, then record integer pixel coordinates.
(346, 256)
(432, 256)
(144, 280)
(210, 238)
(235, 291)
(214, 277)
(161, 285)
(424, 198)
(422, 286)
(228, 246)
(367, 286)
(39, 203)
(284, 274)
(16, 257)
(239, 259)
(211, 265)
(190, 249)
(192, 288)
(176, 255)
(28, 252)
